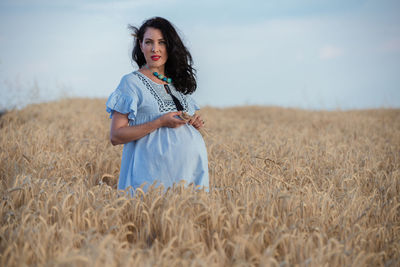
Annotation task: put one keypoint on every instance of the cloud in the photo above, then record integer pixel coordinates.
(330, 52)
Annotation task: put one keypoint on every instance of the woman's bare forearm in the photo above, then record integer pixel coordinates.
(127, 134)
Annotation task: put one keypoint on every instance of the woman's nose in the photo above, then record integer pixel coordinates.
(155, 48)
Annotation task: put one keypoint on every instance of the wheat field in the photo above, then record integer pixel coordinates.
(289, 187)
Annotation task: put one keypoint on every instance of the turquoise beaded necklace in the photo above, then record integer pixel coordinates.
(160, 76)
(178, 104)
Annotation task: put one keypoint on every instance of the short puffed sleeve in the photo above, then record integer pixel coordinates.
(193, 106)
(124, 99)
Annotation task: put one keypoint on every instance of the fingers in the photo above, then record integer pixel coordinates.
(174, 120)
(193, 119)
(178, 120)
(171, 120)
(176, 113)
(197, 121)
(198, 124)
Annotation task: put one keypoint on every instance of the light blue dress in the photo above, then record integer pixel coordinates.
(166, 155)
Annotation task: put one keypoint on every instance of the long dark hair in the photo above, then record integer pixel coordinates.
(179, 64)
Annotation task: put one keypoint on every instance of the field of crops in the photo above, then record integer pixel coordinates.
(288, 188)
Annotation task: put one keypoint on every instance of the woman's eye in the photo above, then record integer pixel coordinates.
(163, 42)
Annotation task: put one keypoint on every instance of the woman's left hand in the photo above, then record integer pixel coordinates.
(196, 121)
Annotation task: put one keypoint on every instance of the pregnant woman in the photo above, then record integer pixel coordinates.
(146, 110)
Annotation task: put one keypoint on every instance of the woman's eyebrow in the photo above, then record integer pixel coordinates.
(161, 39)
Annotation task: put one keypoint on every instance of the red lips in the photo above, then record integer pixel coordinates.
(155, 58)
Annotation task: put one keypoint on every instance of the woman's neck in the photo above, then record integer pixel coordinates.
(159, 70)
(145, 70)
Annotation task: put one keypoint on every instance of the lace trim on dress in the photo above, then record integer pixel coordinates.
(164, 100)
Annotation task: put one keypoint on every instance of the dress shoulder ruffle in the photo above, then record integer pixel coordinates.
(123, 100)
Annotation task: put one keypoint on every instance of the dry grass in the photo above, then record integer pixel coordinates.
(288, 188)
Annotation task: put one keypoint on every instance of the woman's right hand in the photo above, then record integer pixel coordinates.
(170, 120)
(122, 133)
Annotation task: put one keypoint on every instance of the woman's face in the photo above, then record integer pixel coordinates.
(154, 48)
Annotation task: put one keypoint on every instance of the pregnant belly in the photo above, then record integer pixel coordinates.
(170, 147)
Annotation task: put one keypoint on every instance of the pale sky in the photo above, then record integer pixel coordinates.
(313, 54)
